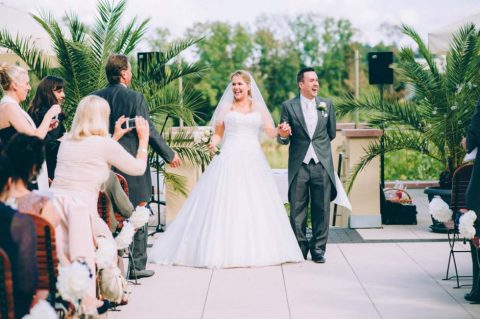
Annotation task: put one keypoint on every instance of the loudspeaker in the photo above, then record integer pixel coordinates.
(379, 71)
(150, 65)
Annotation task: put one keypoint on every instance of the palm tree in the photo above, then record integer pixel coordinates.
(81, 52)
(434, 121)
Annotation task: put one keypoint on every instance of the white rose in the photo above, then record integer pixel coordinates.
(106, 252)
(42, 310)
(140, 216)
(124, 239)
(73, 281)
(465, 227)
(440, 210)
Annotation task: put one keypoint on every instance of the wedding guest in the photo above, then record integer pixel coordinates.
(119, 201)
(128, 103)
(50, 92)
(473, 201)
(16, 85)
(18, 239)
(83, 165)
(26, 155)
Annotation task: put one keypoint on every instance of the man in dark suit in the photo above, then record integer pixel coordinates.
(308, 124)
(473, 200)
(128, 103)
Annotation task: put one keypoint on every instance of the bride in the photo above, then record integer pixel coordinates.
(234, 216)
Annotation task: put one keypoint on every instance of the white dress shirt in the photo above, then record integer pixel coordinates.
(310, 114)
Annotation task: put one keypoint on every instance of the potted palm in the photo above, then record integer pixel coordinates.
(434, 121)
(81, 52)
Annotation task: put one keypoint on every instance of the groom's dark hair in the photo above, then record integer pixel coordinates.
(302, 72)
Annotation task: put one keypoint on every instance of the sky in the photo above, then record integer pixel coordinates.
(366, 15)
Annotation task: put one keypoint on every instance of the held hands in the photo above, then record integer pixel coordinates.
(119, 131)
(176, 161)
(284, 130)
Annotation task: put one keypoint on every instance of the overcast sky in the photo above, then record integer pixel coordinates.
(365, 15)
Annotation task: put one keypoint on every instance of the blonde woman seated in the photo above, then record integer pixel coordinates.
(84, 159)
(16, 85)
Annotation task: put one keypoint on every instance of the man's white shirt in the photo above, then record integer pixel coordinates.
(310, 115)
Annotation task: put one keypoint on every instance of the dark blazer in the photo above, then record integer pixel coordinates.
(473, 141)
(300, 139)
(124, 101)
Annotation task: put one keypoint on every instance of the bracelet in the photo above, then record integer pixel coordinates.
(143, 150)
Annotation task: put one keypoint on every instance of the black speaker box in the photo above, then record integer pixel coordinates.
(379, 71)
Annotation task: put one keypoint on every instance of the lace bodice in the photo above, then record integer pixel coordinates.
(242, 131)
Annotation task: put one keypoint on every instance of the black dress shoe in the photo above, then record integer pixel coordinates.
(319, 260)
(104, 307)
(137, 274)
(469, 296)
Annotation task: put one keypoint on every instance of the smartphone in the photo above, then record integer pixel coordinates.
(129, 123)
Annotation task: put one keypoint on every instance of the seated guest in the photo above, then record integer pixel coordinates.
(19, 240)
(120, 202)
(26, 155)
(84, 159)
(50, 92)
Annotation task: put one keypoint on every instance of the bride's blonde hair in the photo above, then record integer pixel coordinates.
(91, 118)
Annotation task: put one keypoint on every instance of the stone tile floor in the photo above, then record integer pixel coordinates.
(393, 272)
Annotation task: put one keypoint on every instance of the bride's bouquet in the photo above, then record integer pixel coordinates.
(202, 135)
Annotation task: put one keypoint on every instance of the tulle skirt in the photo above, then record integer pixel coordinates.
(234, 217)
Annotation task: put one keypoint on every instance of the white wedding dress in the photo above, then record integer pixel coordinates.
(234, 216)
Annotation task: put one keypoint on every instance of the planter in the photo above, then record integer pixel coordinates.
(446, 195)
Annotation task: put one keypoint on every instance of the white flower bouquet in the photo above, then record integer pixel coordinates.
(106, 252)
(42, 310)
(440, 210)
(202, 135)
(124, 239)
(465, 226)
(140, 216)
(73, 281)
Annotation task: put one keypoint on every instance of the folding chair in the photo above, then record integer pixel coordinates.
(460, 181)
(6, 287)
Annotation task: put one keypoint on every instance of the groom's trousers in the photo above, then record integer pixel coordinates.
(312, 186)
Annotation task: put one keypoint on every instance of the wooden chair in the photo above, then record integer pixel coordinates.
(103, 207)
(7, 310)
(47, 258)
(460, 181)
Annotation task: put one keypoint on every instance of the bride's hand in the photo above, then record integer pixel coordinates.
(212, 147)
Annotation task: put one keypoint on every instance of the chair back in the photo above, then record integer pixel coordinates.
(123, 182)
(460, 180)
(103, 207)
(6, 287)
(47, 258)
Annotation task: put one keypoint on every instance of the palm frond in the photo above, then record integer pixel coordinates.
(182, 142)
(392, 141)
(23, 47)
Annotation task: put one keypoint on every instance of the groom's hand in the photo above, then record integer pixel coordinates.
(284, 130)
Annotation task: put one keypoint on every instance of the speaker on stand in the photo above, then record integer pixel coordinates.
(381, 73)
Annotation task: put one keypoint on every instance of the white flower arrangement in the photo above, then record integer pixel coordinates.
(140, 216)
(465, 226)
(440, 210)
(106, 252)
(42, 310)
(73, 281)
(202, 135)
(124, 239)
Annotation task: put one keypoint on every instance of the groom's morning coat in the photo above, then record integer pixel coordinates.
(300, 138)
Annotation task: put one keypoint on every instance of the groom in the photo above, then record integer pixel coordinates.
(308, 124)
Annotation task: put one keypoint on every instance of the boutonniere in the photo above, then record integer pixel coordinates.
(322, 107)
